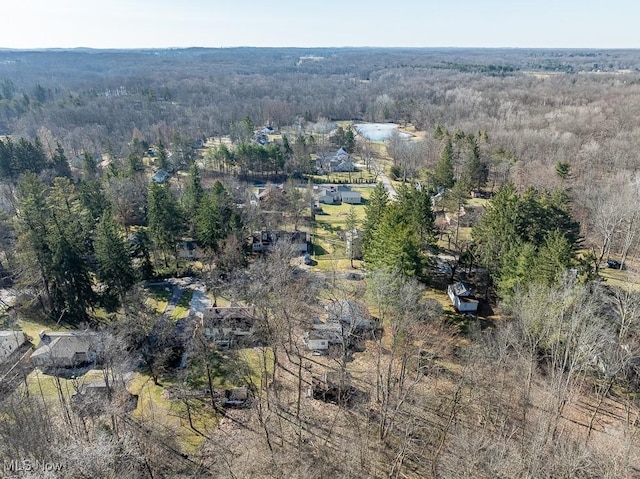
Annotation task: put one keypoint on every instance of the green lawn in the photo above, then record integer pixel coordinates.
(182, 308)
(623, 279)
(44, 386)
(327, 243)
(33, 329)
(159, 298)
(170, 415)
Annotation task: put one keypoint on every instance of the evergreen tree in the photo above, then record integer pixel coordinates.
(93, 198)
(134, 164)
(60, 163)
(415, 208)
(208, 227)
(444, 171)
(374, 209)
(350, 228)
(89, 166)
(162, 158)
(526, 239)
(475, 172)
(555, 256)
(164, 219)
(216, 218)
(192, 195)
(33, 222)
(114, 263)
(349, 140)
(395, 246)
(69, 241)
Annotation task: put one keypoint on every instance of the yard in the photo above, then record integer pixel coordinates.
(329, 245)
(184, 304)
(159, 298)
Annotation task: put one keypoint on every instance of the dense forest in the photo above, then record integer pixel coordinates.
(140, 190)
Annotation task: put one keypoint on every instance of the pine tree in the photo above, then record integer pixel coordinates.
(395, 246)
(33, 227)
(89, 166)
(69, 241)
(208, 226)
(192, 195)
(444, 171)
(114, 263)
(164, 219)
(374, 210)
(475, 172)
(60, 162)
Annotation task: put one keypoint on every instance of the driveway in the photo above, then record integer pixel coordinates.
(385, 181)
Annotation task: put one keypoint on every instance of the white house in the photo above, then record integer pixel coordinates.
(10, 341)
(460, 296)
(315, 341)
(331, 195)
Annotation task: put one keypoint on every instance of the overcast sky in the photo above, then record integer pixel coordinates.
(411, 23)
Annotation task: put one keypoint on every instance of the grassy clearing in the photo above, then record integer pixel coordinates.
(33, 329)
(623, 279)
(232, 368)
(327, 228)
(170, 415)
(184, 303)
(254, 359)
(44, 385)
(159, 298)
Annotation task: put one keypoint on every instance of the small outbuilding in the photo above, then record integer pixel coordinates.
(461, 298)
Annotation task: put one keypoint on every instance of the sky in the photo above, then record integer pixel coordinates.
(323, 23)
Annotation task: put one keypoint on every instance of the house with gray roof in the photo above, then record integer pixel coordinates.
(66, 349)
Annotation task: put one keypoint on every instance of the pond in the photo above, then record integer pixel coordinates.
(378, 131)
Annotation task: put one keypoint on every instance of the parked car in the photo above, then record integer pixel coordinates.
(612, 263)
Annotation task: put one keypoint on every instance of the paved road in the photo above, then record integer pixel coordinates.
(385, 181)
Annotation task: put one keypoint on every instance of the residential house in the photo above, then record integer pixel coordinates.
(332, 195)
(348, 195)
(315, 341)
(160, 176)
(272, 196)
(461, 298)
(264, 241)
(188, 249)
(66, 350)
(353, 315)
(345, 166)
(228, 326)
(328, 195)
(333, 387)
(94, 398)
(10, 342)
(321, 339)
(327, 162)
(261, 137)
